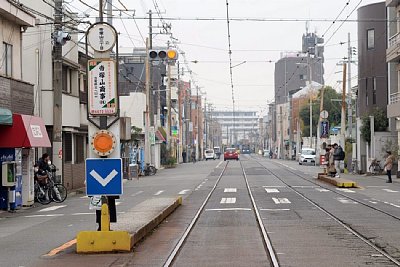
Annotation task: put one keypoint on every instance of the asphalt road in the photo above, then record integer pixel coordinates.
(305, 220)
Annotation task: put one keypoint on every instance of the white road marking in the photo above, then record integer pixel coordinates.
(277, 186)
(228, 200)
(230, 190)
(44, 215)
(274, 209)
(304, 186)
(228, 209)
(346, 200)
(184, 192)
(159, 193)
(390, 190)
(84, 197)
(271, 190)
(345, 190)
(219, 164)
(373, 202)
(137, 193)
(117, 203)
(281, 200)
(83, 213)
(391, 204)
(291, 168)
(52, 208)
(320, 189)
(372, 186)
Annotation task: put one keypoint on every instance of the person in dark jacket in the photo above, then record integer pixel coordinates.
(337, 157)
(42, 168)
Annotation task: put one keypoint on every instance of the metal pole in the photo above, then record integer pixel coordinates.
(349, 107)
(109, 11)
(309, 84)
(197, 124)
(343, 117)
(169, 139)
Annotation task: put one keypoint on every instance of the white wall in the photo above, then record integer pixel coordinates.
(134, 106)
(71, 111)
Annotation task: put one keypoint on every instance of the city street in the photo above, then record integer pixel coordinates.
(308, 223)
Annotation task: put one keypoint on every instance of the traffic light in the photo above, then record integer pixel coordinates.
(169, 54)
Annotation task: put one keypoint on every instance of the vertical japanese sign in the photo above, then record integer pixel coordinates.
(324, 129)
(102, 87)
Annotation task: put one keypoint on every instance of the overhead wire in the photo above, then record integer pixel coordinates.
(337, 17)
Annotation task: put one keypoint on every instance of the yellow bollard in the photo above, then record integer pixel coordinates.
(105, 218)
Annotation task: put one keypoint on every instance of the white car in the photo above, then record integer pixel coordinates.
(209, 154)
(307, 155)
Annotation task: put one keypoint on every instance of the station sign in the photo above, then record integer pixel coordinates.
(102, 83)
(101, 37)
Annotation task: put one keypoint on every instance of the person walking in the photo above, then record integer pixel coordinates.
(337, 157)
(184, 156)
(193, 157)
(388, 166)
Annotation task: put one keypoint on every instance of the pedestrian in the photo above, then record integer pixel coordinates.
(388, 166)
(184, 156)
(338, 156)
(193, 157)
(330, 162)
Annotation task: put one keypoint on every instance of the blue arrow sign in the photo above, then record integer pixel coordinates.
(104, 176)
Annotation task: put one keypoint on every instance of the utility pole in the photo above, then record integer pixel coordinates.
(147, 155)
(205, 135)
(57, 92)
(169, 139)
(310, 84)
(197, 124)
(343, 117)
(109, 11)
(349, 104)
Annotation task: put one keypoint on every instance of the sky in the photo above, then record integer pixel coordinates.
(259, 43)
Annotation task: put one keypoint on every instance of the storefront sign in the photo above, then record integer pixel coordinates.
(36, 131)
(102, 87)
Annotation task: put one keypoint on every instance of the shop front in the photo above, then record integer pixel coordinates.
(19, 135)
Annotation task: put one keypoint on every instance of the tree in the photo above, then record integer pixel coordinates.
(380, 123)
(333, 108)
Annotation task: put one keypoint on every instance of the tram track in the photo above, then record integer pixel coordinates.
(342, 223)
(266, 241)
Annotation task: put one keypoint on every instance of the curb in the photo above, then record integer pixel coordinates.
(147, 228)
(338, 182)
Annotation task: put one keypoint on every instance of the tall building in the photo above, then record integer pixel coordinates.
(237, 127)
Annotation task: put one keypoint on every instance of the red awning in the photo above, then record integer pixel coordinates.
(160, 136)
(26, 131)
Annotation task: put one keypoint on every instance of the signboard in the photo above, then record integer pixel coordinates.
(102, 87)
(152, 135)
(101, 37)
(324, 129)
(104, 176)
(174, 131)
(324, 114)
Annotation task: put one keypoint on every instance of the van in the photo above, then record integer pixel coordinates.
(307, 155)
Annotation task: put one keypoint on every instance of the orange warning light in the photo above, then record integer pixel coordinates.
(103, 143)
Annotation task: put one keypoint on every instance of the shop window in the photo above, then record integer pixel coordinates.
(67, 151)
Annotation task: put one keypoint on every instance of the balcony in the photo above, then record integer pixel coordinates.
(393, 109)
(392, 3)
(393, 50)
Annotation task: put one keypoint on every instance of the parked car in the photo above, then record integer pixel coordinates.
(209, 154)
(307, 155)
(231, 153)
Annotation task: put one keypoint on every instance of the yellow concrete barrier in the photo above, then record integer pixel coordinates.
(339, 182)
(104, 240)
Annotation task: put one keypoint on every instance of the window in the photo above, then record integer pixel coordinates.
(67, 151)
(366, 91)
(7, 59)
(370, 39)
(79, 149)
(302, 77)
(374, 90)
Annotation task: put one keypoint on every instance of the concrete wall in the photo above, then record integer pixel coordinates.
(134, 106)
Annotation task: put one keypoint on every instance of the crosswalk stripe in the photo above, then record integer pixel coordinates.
(281, 200)
(345, 190)
(52, 208)
(271, 190)
(390, 190)
(230, 190)
(159, 193)
(228, 200)
(320, 189)
(183, 192)
(137, 193)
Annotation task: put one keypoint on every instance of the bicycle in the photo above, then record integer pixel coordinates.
(51, 191)
(149, 170)
(375, 167)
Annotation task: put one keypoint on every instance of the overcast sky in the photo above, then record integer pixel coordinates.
(207, 41)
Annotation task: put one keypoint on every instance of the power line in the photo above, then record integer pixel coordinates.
(343, 21)
(230, 66)
(333, 22)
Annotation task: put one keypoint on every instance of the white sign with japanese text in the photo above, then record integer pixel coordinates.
(101, 37)
(102, 87)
